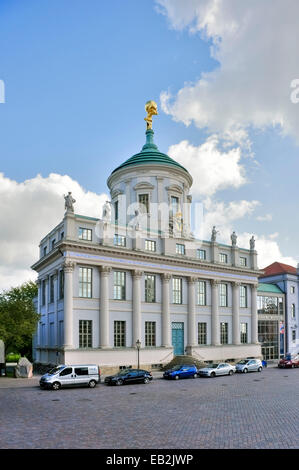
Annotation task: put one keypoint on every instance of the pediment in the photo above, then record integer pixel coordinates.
(144, 185)
(175, 188)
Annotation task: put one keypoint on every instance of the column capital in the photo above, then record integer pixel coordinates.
(68, 266)
(137, 273)
(165, 277)
(192, 279)
(38, 282)
(105, 270)
(236, 283)
(215, 282)
(254, 286)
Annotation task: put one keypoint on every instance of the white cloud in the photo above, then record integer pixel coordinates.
(212, 169)
(28, 211)
(256, 47)
(264, 218)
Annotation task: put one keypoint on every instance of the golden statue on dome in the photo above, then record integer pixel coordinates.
(152, 110)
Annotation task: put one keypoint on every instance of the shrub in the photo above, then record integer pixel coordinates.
(13, 357)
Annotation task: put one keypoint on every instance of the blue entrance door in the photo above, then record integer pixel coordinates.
(178, 338)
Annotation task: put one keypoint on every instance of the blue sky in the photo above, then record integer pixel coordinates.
(77, 75)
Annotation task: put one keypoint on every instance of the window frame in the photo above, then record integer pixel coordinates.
(87, 231)
(201, 295)
(85, 334)
(150, 335)
(119, 289)
(177, 294)
(119, 334)
(146, 288)
(223, 295)
(85, 284)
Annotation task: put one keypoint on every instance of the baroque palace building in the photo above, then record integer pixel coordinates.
(138, 275)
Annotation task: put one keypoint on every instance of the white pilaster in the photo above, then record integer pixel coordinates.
(254, 320)
(104, 307)
(166, 341)
(136, 323)
(68, 304)
(236, 312)
(215, 313)
(191, 312)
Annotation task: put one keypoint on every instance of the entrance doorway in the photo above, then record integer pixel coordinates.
(177, 329)
(268, 352)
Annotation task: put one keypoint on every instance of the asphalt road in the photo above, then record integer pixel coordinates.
(252, 411)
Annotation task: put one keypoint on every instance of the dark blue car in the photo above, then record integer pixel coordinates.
(181, 372)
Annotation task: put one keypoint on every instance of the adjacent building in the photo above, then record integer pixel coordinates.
(138, 274)
(286, 277)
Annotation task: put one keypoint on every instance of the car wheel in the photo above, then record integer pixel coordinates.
(230, 372)
(195, 376)
(213, 374)
(119, 382)
(177, 377)
(245, 370)
(146, 380)
(92, 384)
(260, 369)
(56, 386)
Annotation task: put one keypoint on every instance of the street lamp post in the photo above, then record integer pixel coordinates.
(138, 345)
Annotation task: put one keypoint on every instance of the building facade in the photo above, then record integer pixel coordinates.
(286, 277)
(271, 320)
(138, 274)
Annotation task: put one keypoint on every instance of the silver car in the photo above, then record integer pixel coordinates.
(67, 376)
(217, 369)
(249, 365)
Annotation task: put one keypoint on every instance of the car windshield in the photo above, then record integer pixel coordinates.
(213, 366)
(55, 370)
(176, 367)
(242, 362)
(124, 372)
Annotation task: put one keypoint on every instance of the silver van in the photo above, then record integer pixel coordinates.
(71, 375)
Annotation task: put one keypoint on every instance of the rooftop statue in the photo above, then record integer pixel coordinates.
(152, 110)
(214, 234)
(69, 202)
(252, 243)
(106, 215)
(234, 239)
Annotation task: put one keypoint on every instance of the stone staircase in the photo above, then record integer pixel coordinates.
(188, 360)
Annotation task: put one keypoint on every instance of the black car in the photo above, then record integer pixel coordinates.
(129, 376)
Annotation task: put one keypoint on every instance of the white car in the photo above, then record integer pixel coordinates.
(217, 369)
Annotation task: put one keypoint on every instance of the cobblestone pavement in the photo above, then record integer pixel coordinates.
(256, 410)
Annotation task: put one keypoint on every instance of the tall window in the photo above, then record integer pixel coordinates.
(223, 333)
(243, 261)
(61, 284)
(85, 282)
(150, 245)
(244, 333)
(293, 310)
(85, 234)
(292, 289)
(180, 249)
(223, 295)
(176, 290)
(51, 289)
(243, 296)
(202, 333)
(223, 257)
(45, 250)
(150, 287)
(85, 333)
(150, 333)
(201, 254)
(144, 203)
(201, 293)
(53, 244)
(174, 205)
(43, 292)
(119, 334)
(119, 285)
(119, 240)
(293, 335)
(116, 211)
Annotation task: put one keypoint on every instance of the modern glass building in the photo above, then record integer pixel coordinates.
(271, 320)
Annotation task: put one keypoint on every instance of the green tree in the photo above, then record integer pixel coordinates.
(18, 317)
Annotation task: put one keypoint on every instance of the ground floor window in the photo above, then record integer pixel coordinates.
(119, 334)
(202, 333)
(150, 333)
(223, 333)
(85, 333)
(244, 333)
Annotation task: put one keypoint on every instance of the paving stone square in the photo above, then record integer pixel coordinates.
(251, 411)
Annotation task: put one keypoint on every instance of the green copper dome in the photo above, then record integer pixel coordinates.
(150, 155)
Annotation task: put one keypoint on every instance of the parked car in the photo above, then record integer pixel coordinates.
(249, 365)
(71, 375)
(129, 376)
(217, 369)
(181, 372)
(289, 361)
